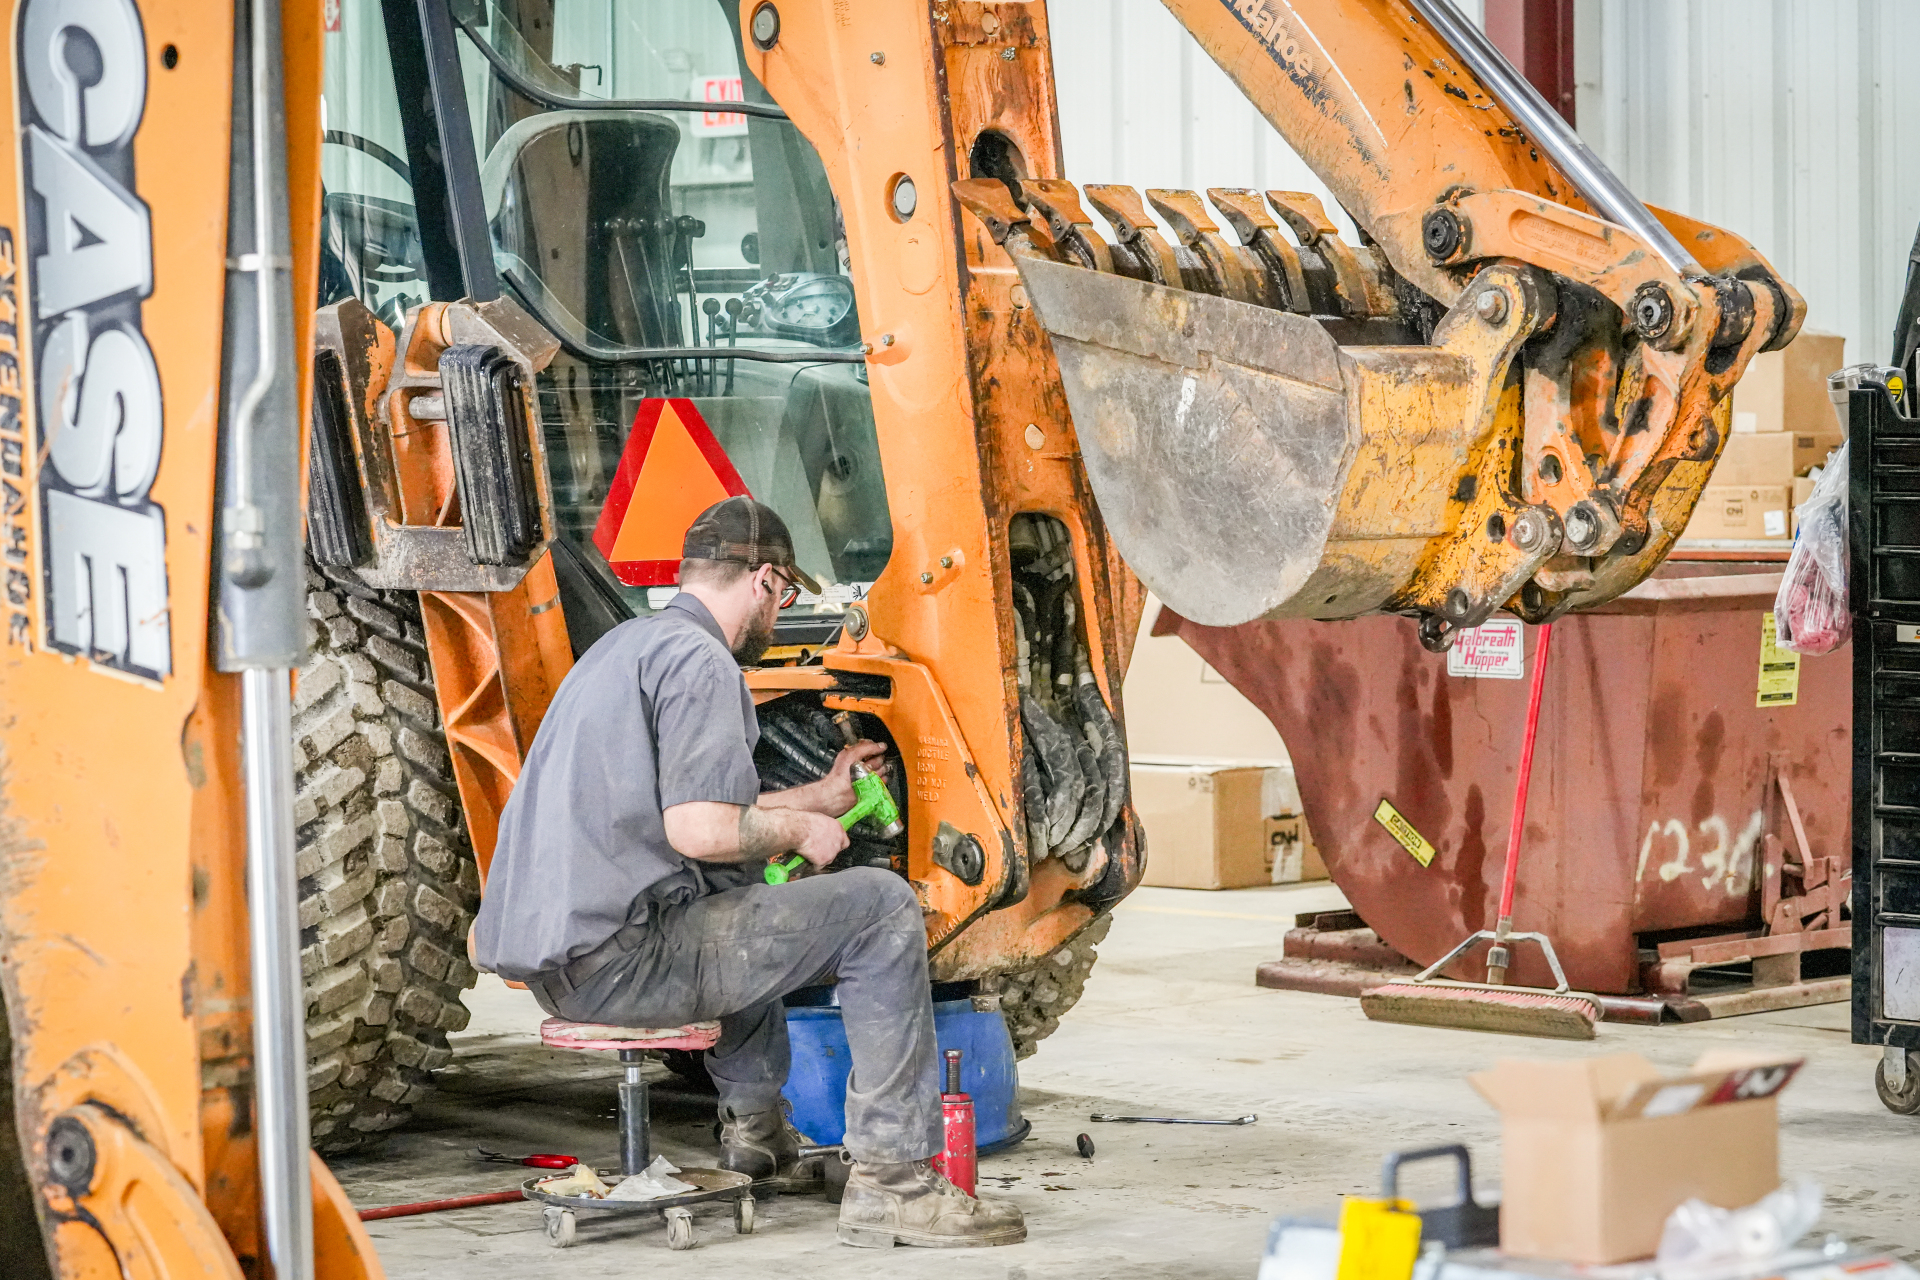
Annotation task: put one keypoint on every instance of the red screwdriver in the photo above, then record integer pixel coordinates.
(537, 1161)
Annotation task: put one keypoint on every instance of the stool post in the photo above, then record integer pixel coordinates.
(636, 1151)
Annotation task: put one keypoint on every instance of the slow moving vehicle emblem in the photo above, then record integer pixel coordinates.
(671, 470)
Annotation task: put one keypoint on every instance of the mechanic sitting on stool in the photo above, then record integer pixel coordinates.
(627, 889)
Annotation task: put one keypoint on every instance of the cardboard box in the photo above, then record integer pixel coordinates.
(1291, 856)
(1177, 705)
(1596, 1152)
(1772, 457)
(1787, 390)
(1746, 513)
(1211, 823)
(1802, 494)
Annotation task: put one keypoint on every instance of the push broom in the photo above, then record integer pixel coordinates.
(1493, 1005)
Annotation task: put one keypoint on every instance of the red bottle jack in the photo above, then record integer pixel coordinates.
(957, 1162)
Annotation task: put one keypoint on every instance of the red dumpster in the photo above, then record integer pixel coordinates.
(1654, 781)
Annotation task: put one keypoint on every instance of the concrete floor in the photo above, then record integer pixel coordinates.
(1171, 1024)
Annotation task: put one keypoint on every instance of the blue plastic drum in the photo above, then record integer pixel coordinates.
(817, 1083)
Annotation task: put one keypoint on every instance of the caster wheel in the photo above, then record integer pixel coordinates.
(679, 1229)
(560, 1225)
(1904, 1101)
(743, 1216)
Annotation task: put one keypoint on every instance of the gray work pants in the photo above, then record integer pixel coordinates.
(732, 955)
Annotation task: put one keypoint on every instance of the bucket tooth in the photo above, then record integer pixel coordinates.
(1068, 225)
(1342, 285)
(1139, 235)
(989, 200)
(1241, 209)
(1235, 272)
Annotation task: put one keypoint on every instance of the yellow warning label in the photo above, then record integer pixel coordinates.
(1402, 830)
(1379, 1239)
(1779, 669)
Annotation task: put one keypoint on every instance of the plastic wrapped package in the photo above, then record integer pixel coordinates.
(655, 1182)
(1810, 614)
(1700, 1237)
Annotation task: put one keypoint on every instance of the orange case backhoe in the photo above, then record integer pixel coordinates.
(1507, 395)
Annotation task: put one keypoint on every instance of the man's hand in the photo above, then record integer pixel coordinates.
(822, 838)
(832, 795)
(836, 794)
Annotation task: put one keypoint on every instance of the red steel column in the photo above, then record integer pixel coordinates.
(1537, 37)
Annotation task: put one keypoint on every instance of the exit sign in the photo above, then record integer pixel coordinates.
(718, 124)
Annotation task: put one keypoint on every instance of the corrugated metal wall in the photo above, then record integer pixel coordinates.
(1142, 104)
(1787, 121)
(1790, 122)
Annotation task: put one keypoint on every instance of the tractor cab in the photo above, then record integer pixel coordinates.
(649, 205)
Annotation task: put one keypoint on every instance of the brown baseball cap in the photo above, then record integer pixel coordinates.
(747, 532)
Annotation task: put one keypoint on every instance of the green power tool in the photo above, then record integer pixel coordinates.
(871, 799)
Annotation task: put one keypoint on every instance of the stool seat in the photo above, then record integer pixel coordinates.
(558, 1033)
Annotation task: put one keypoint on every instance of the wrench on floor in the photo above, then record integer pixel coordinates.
(1101, 1117)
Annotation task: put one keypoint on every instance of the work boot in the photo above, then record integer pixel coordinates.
(889, 1204)
(761, 1145)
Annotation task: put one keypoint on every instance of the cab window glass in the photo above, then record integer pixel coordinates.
(653, 208)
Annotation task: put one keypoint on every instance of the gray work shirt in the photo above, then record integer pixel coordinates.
(655, 714)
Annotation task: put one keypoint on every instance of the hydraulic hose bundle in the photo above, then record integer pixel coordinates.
(798, 743)
(1073, 769)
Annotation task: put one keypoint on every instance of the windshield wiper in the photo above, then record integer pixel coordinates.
(526, 88)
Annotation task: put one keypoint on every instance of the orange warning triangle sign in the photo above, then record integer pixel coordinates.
(671, 470)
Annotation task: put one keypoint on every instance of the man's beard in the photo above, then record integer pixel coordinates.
(755, 637)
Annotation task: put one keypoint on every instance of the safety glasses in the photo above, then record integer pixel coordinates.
(790, 591)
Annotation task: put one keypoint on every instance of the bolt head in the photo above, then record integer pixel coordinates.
(1491, 305)
(1581, 527)
(877, 59)
(946, 562)
(1441, 232)
(926, 577)
(1652, 310)
(1007, 54)
(70, 1155)
(1528, 530)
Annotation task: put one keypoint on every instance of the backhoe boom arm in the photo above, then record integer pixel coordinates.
(1508, 395)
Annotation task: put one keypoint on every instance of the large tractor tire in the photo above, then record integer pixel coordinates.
(1034, 1000)
(388, 883)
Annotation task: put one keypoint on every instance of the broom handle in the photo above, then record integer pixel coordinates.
(1512, 872)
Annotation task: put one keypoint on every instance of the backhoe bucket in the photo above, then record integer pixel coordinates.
(1215, 433)
(1249, 466)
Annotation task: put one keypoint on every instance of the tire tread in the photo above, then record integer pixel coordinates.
(1034, 1000)
(388, 884)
